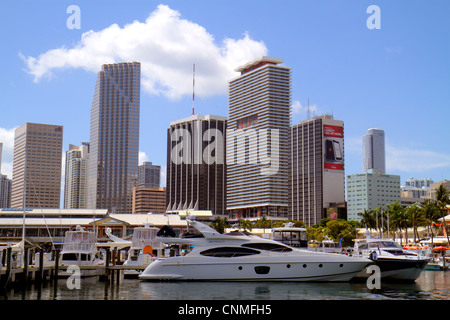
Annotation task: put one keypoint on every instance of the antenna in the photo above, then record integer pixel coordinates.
(308, 109)
(193, 89)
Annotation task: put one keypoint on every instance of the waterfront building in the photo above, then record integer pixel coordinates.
(149, 199)
(36, 181)
(5, 191)
(196, 169)
(434, 186)
(49, 225)
(149, 175)
(316, 169)
(374, 151)
(114, 137)
(75, 187)
(419, 183)
(369, 191)
(257, 139)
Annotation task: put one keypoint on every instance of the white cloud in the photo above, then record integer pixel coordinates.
(412, 160)
(166, 45)
(298, 108)
(7, 138)
(142, 157)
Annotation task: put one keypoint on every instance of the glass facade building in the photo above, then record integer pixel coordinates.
(196, 169)
(114, 137)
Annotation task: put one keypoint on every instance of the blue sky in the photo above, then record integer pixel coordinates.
(396, 78)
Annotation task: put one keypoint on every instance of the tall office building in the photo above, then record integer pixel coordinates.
(149, 175)
(196, 169)
(316, 169)
(5, 191)
(373, 152)
(37, 161)
(75, 187)
(114, 139)
(257, 135)
(148, 199)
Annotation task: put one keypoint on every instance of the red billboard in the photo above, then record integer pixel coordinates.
(333, 147)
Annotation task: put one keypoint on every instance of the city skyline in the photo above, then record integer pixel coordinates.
(382, 78)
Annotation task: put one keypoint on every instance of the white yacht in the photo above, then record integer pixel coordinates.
(395, 262)
(145, 246)
(80, 249)
(246, 257)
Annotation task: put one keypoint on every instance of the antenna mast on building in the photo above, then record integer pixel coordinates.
(193, 89)
(308, 109)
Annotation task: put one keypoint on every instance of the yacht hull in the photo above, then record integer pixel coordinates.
(222, 269)
(398, 269)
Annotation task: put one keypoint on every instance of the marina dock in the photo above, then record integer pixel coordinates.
(110, 270)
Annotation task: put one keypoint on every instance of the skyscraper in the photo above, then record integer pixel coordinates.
(316, 169)
(75, 187)
(149, 175)
(196, 170)
(373, 152)
(5, 191)
(37, 166)
(114, 139)
(257, 135)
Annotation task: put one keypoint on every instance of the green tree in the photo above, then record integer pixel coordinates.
(245, 224)
(219, 224)
(442, 199)
(367, 220)
(263, 222)
(399, 220)
(337, 229)
(416, 218)
(432, 213)
(393, 210)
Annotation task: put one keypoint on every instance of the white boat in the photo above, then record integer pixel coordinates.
(145, 248)
(246, 257)
(80, 249)
(395, 263)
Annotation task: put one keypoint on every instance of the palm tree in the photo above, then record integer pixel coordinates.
(432, 214)
(367, 219)
(399, 220)
(393, 211)
(220, 224)
(416, 218)
(442, 199)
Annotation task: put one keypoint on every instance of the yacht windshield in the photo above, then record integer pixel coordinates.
(384, 244)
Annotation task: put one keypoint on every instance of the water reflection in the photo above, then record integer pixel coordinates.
(432, 285)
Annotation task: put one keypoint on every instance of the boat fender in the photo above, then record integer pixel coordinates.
(373, 256)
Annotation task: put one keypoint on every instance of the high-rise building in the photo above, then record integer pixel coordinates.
(5, 191)
(37, 161)
(75, 187)
(257, 135)
(369, 191)
(149, 175)
(316, 169)
(374, 152)
(114, 138)
(148, 199)
(196, 169)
